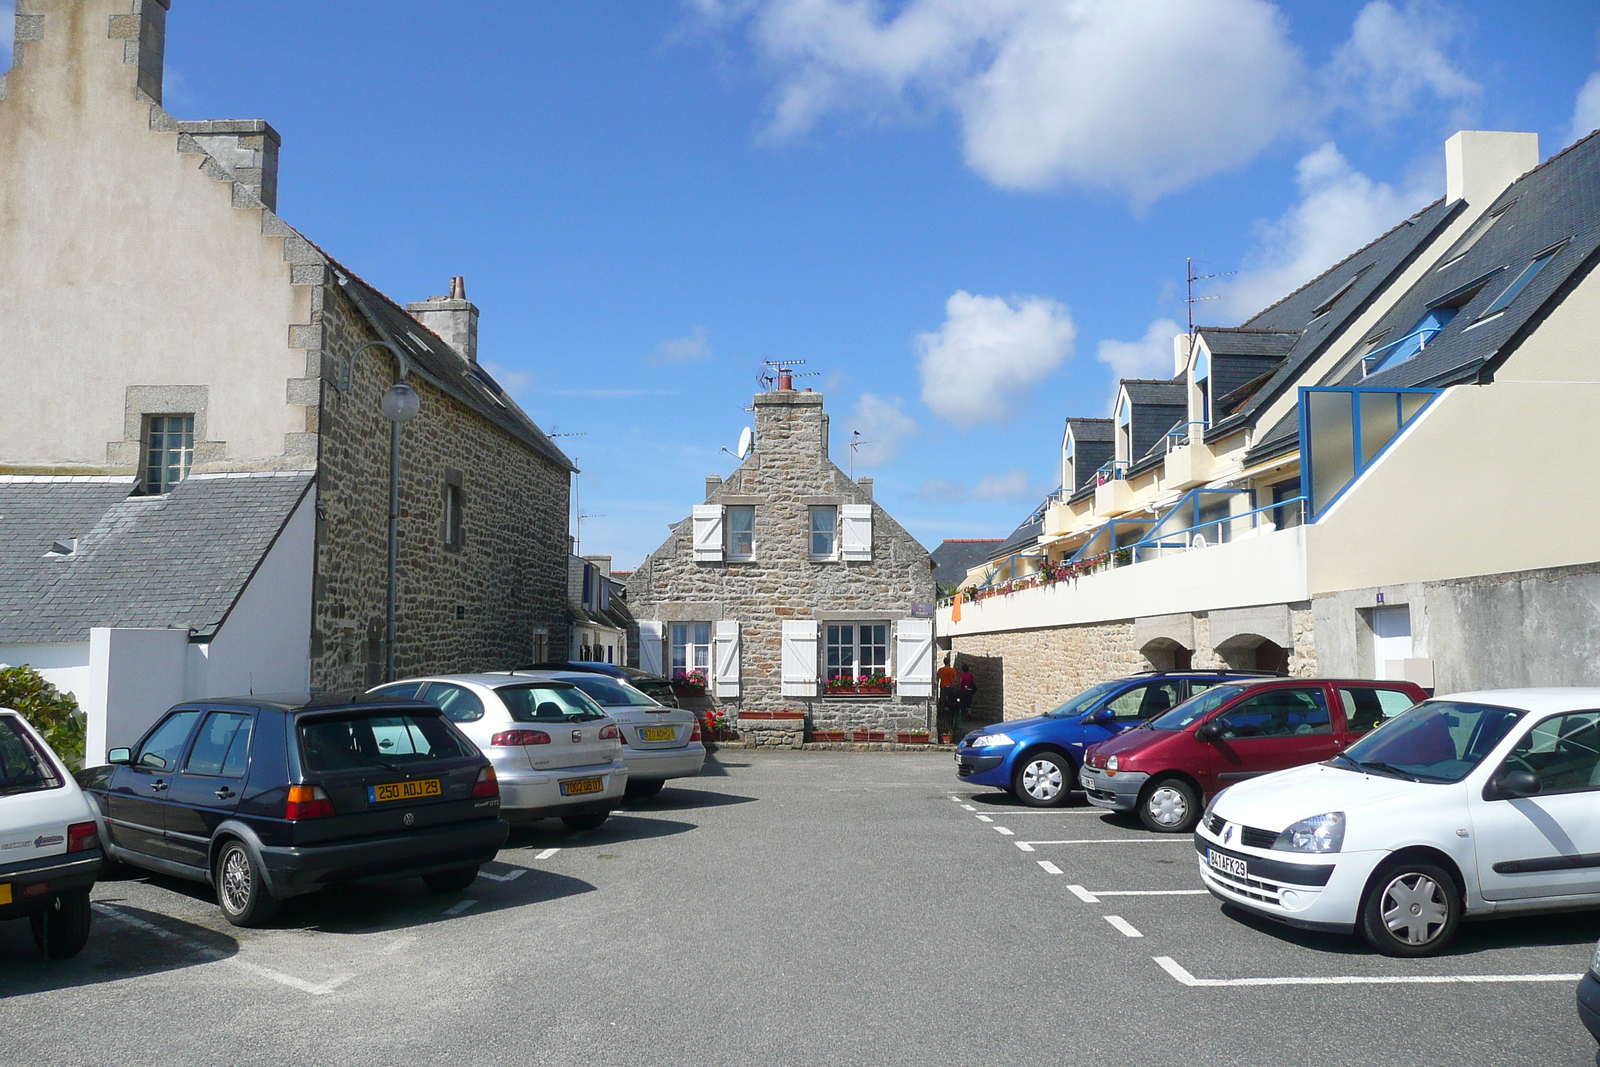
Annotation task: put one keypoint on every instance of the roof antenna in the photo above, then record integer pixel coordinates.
(1190, 278)
(856, 443)
(252, 676)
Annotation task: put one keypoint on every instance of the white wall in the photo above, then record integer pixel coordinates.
(1266, 569)
(64, 665)
(135, 675)
(264, 646)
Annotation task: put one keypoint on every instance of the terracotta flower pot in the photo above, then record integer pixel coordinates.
(827, 735)
(867, 735)
(912, 738)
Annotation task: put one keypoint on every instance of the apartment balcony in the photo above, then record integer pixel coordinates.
(1112, 493)
(1265, 566)
(1188, 465)
(1059, 519)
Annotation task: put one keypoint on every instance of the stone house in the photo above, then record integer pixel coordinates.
(789, 586)
(597, 611)
(198, 502)
(1343, 484)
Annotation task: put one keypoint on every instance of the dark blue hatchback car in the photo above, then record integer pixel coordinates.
(1036, 760)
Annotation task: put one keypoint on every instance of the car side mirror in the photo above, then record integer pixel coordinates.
(1518, 784)
(1211, 731)
(1102, 716)
(121, 756)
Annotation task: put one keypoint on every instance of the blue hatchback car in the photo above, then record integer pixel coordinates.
(1036, 760)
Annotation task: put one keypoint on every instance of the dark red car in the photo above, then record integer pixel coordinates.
(1168, 767)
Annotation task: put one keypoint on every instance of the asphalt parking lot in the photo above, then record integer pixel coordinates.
(793, 908)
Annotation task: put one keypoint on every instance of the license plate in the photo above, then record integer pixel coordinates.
(578, 786)
(5, 892)
(1230, 865)
(427, 787)
(658, 733)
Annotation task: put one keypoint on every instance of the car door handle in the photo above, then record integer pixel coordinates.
(225, 793)
(158, 785)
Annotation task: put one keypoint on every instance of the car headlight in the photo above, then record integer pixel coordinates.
(1111, 766)
(1320, 833)
(1594, 961)
(991, 740)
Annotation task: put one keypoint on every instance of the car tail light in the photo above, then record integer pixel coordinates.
(507, 738)
(486, 785)
(694, 735)
(307, 802)
(610, 733)
(82, 836)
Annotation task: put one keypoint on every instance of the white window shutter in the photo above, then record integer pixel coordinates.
(725, 658)
(799, 658)
(857, 534)
(914, 655)
(650, 647)
(707, 532)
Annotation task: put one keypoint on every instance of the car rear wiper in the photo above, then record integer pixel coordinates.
(1389, 768)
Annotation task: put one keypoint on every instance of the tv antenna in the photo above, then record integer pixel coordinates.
(855, 443)
(783, 369)
(1190, 277)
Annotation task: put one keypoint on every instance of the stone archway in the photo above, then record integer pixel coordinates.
(1253, 652)
(1166, 654)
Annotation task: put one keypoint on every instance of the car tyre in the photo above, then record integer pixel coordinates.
(1411, 909)
(1044, 780)
(1170, 806)
(647, 787)
(592, 821)
(242, 890)
(62, 930)
(451, 881)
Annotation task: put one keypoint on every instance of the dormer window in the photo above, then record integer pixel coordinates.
(1202, 383)
(1124, 428)
(169, 452)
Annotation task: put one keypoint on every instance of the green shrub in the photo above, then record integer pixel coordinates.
(50, 711)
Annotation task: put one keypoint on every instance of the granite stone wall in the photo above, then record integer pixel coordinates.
(786, 475)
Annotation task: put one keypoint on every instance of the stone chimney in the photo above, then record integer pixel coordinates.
(713, 483)
(1479, 164)
(453, 317)
(600, 563)
(865, 484)
(791, 426)
(248, 148)
(79, 48)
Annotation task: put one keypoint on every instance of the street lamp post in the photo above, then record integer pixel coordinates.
(399, 405)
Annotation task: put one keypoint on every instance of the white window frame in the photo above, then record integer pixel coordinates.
(812, 532)
(730, 551)
(850, 647)
(695, 648)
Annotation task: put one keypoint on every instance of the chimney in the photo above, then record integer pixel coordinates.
(865, 485)
(77, 49)
(713, 483)
(247, 148)
(600, 563)
(453, 317)
(1479, 164)
(1181, 347)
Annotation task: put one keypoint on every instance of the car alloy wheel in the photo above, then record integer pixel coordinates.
(1170, 807)
(1413, 910)
(1043, 780)
(242, 892)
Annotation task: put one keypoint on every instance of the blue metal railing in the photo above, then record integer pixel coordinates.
(1180, 434)
(1220, 529)
(1110, 471)
(1372, 361)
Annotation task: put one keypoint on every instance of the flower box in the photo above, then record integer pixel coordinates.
(772, 716)
(912, 738)
(691, 685)
(827, 735)
(867, 735)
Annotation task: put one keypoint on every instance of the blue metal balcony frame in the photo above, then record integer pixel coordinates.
(1315, 509)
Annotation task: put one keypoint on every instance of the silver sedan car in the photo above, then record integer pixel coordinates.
(555, 752)
(658, 742)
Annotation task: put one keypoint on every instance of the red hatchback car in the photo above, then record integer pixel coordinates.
(1168, 767)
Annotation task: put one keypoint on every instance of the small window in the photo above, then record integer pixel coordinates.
(222, 748)
(458, 703)
(691, 648)
(741, 527)
(1285, 515)
(824, 532)
(1327, 305)
(1480, 228)
(1520, 283)
(169, 452)
(453, 532)
(857, 651)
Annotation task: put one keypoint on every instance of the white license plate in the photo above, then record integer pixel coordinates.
(1229, 865)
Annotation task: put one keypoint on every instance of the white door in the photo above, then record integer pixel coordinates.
(1548, 844)
(1391, 635)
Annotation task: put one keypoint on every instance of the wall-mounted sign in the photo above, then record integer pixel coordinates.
(922, 611)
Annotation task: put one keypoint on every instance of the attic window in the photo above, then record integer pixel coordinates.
(1521, 281)
(1327, 305)
(169, 451)
(63, 547)
(418, 343)
(1483, 226)
(1202, 382)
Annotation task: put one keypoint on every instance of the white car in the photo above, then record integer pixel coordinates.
(658, 742)
(555, 752)
(1466, 806)
(49, 841)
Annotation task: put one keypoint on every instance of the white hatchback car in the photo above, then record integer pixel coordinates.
(49, 841)
(555, 752)
(1466, 806)
(658, 742)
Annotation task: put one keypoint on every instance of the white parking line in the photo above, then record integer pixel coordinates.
(511, 877)
(1151, 892)
(1023, 845)
(205, 952)
(969, 807)
(1060, 811)
(397, 946)
(956, 799)
(984, 818)
(1083, 894)
(1117, 841)
(459, 906)
(1122, 925)
(1049, 868)
(1167, 964)
(547, 853)
(1002, 830)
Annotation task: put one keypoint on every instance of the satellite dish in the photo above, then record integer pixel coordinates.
(747, 441)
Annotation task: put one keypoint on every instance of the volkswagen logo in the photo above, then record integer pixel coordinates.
(1227, 833)
(577, 736)
(409, 818)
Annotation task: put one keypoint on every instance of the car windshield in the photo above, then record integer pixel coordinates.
(1084, 700)
(549, 703)
(387, 738)
(23, 767)
(1436, 741)
(611, 693)
(1195, 708)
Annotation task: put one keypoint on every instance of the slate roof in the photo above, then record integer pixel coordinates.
(1024, 540)
(956, 556)
(177, 561)
(1092, 430)
(1245, 341)
(1094, 443)
(443, 366)
(1160, 391)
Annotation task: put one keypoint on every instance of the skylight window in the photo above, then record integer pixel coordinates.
(1520, 283)
(1483, 226)
(1327, 305)
(1415, 340)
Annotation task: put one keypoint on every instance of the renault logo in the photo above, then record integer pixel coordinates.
(577, 736)
(1227, 833)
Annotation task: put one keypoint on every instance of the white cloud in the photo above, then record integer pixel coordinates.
(884, 428)
(1012, 486)
(1586, 111)
(512, 381)
(989, 352)
(1394, 56)
(1340, 209)
(1148, 357)
(690, 348)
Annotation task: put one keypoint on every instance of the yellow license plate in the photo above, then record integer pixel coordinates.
(659, 733)
(5, 892)
(427, 787)
(582, 785)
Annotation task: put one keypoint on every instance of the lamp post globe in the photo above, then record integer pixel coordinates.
(401, 403)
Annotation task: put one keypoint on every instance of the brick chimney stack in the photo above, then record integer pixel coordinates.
(453, 317)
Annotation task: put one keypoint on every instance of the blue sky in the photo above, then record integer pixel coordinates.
(967, 215)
